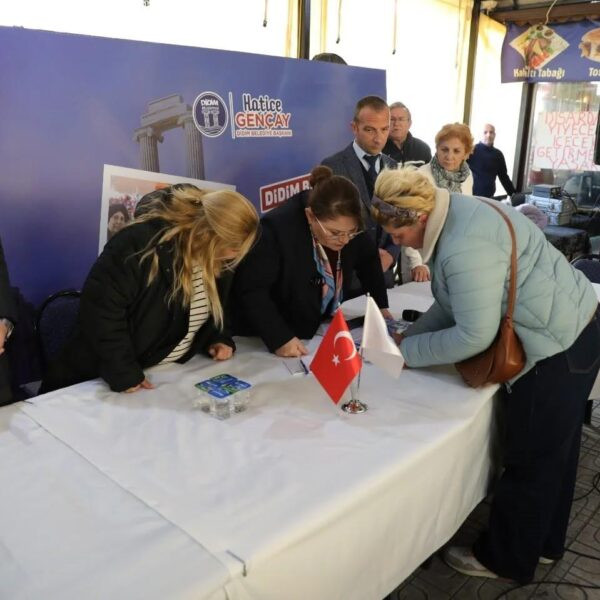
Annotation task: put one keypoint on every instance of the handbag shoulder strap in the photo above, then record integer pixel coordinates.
(512, 289)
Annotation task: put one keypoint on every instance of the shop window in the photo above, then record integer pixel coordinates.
(561, 150)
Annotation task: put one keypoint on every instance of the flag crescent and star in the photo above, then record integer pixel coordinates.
(332, 373)
(343, 334)
(335, 372)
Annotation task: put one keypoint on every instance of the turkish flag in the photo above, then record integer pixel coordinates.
(336, 361)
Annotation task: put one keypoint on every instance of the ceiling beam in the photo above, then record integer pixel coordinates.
(571, 12)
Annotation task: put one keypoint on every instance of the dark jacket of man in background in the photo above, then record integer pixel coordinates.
(487, 163)
(412, 152)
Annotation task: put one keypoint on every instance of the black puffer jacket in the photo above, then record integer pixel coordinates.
(126, 325)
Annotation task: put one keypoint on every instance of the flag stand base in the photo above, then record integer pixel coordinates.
(354, 407)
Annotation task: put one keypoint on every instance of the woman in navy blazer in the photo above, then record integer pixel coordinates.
(294, 276)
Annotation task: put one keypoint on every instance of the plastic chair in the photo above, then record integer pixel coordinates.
(589, 265)
(55, 322)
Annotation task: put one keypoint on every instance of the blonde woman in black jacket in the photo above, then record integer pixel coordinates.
(157, 292)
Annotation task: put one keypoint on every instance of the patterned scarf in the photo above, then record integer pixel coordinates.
(331, 290)
(449, 180)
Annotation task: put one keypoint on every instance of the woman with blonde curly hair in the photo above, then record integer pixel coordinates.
(556, 317)
(156, 293)
(448, 168)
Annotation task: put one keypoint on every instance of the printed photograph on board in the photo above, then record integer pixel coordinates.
(123, 188)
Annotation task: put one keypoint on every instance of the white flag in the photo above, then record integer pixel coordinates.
(377, 346)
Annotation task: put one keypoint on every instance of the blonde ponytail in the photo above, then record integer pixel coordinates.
(203, 227)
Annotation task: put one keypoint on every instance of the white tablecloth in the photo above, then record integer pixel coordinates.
(296, 498)
(67, 532)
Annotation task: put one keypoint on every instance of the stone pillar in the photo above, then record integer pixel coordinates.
(148, 140)
(193, 147)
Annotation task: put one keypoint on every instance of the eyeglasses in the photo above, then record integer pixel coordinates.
(338, 235)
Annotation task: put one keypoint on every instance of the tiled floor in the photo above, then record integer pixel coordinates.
(439, 582)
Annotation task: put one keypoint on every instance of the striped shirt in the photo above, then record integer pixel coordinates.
(199, 313)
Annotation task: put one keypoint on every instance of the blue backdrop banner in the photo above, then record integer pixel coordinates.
(555, 52)
(72, 104)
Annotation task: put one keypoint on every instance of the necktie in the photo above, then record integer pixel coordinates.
(372, 175)
(372, 160)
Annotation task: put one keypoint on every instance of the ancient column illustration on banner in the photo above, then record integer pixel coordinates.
(162, 115)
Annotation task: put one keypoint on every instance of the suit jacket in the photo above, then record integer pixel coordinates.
(277, 287)
(346, 163)
(125, 324)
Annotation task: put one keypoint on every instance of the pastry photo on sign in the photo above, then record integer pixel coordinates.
(590, 45)
(538, 45)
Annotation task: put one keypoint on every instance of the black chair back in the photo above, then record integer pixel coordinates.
(589, 265)
(55, 322)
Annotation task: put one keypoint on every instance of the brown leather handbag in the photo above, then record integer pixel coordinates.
(505, 358)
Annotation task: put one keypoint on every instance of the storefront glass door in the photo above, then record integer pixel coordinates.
(561, 148)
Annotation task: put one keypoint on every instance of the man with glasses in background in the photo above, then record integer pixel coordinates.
(361, 161)
(402, 145)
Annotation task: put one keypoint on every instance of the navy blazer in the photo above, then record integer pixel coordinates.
(277, 287)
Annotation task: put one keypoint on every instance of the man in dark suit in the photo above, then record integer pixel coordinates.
(7, 321)
(361, 162)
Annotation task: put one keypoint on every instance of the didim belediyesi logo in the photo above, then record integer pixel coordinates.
(210, 114)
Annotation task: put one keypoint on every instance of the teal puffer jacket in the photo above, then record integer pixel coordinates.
(468, 245)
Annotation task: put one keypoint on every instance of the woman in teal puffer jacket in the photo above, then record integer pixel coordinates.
(468, 247)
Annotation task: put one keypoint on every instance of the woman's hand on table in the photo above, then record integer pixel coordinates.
(3, 334)
(398, 337)
(387, 260)
(292, 348)
(420, 273)
(220, 351)
(385, 312)
(145, 385)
